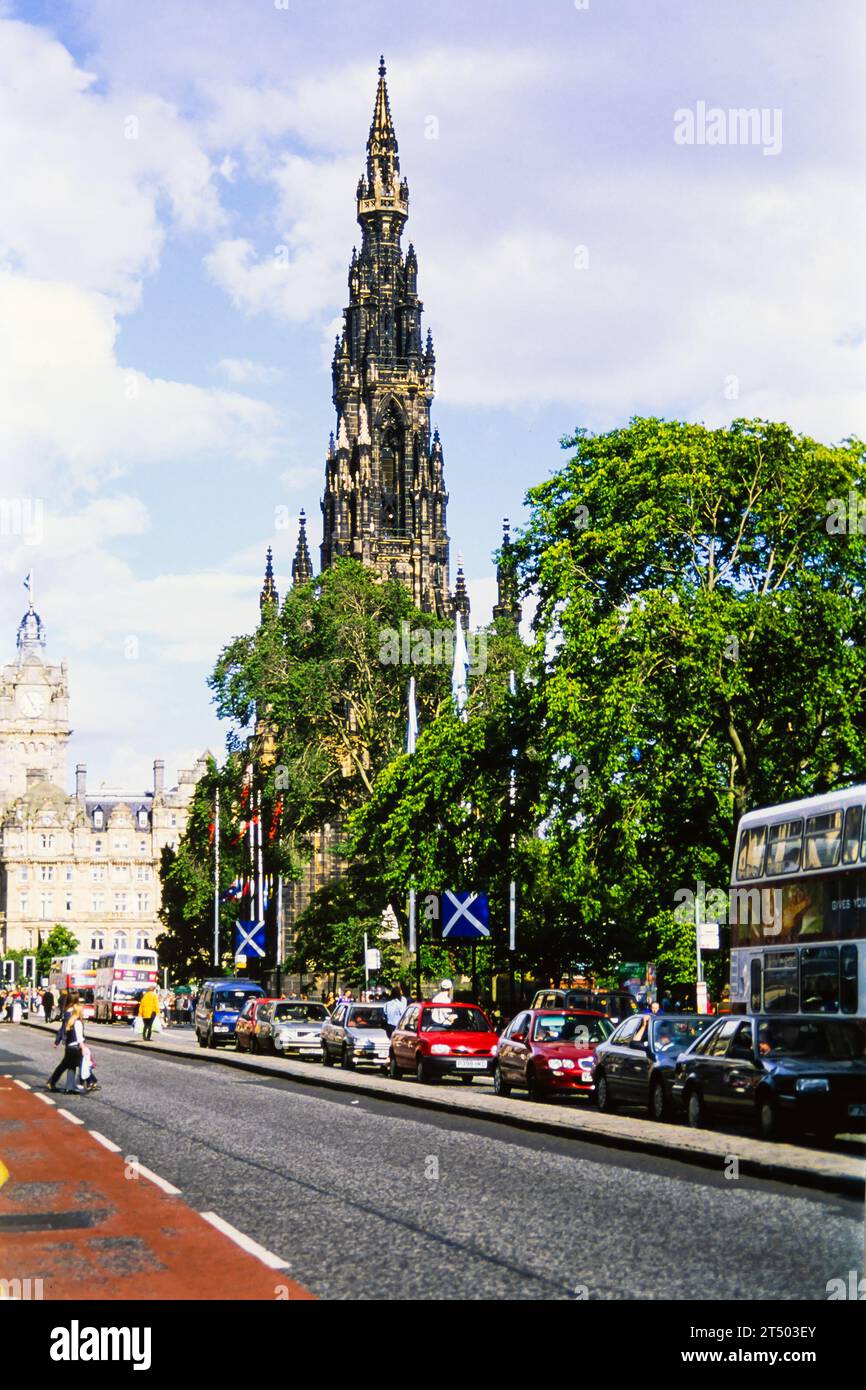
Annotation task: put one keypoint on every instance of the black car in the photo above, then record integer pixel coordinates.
(636, 1064)
(784, 1073)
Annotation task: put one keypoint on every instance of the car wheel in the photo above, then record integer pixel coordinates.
(603, 1096)
(422, 1073)
(695, 1110)
(327, 1059)
(393, 1069)
(347, 1061)
(533, 1085)
(769, 1120)
(658, 1102)
(202, 1042)
(500, 1085)
(211, 1040)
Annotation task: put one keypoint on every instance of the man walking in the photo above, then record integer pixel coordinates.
(48, 1005)
(395, 1008)
(147, 1011)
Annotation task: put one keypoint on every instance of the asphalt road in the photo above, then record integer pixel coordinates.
(365, 1201)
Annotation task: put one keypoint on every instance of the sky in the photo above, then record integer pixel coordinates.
(176, 222)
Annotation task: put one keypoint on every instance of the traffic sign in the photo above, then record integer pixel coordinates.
(465, 915)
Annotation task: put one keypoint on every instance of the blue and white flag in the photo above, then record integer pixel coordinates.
(460, 670)
(465, 914)
(412, 729)
(250, 940)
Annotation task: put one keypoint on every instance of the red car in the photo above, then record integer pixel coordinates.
(550, 1050)
(246, 1028)
(435, 1040)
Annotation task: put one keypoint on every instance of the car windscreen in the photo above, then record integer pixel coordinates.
(366, 1018)
(673, 1034)
(567, 1029)
(233, 998)
(446, 1020)
(300, 1013)
(822, 1040)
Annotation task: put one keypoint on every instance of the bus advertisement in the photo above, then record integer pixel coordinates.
(121, 979)
(75, 974)
(798, 908)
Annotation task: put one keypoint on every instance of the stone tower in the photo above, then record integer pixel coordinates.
(385, 498)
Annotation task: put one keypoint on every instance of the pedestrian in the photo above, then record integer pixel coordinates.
(446, 993)
(87, 1073)
(147, 1011)
(395, 1008)
(70, 1035)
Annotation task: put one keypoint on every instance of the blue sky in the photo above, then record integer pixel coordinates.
(166, 386)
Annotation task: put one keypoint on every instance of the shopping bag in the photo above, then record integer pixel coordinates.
(86, 1063)
(157, 1023)
(138, 1024)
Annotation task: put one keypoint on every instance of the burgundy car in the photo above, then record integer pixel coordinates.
(550, 1050)
(248, 1025)
(436, 1039)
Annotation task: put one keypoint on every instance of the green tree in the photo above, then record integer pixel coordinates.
(60, 941)
(699, 649)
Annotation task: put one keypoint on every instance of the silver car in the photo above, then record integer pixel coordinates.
(293, 1027)
(356, 1036)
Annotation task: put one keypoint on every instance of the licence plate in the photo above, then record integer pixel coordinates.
(471, 1064)
(857, 1112)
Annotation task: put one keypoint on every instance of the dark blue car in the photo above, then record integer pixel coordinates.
(218, 1009)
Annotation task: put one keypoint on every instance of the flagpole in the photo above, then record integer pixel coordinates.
(512, 798)
(216, 881)
(259, 864)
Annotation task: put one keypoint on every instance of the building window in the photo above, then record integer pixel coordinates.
(23, 903)
(68, 902)
(142, 943)
(97, 846)
(46, 873)
(98, 902)
(173, 821)
(142, 820)
(144, 903)
(97, 873)
(120, 903)
(142, 846)
(122, 846)
(119, 942)
(24, 873)
(98, 819)
(69, 874)
(143, 873)
(46, 906)
(97, 941)
(47, 841)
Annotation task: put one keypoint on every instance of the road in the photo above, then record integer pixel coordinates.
(366, 1201)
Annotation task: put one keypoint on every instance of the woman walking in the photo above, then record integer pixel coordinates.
(71, 1035)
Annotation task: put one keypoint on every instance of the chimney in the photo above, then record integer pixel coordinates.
(158, 777)
(80, 779)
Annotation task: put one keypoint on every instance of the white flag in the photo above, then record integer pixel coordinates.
(460, 671)
(412, 730)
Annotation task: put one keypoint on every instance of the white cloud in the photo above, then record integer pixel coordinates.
(241, 371)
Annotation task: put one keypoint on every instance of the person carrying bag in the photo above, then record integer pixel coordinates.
(71, 1035)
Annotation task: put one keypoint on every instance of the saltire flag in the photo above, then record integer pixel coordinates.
(465, 915)
(412, 729)
(460, 669)
(250, 940)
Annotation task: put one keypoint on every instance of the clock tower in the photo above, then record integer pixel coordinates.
(34, 715)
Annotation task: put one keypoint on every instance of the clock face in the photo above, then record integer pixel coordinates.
(30, 700)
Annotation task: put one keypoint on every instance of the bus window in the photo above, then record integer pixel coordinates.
(851, 843)
(755, 985)
(781, 992)
(750, 860)
(848, 979)
(783, 847)
(819, 979)
(823, 841)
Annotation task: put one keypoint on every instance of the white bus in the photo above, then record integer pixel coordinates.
(798, 907)
(121, 979)
(74, 974)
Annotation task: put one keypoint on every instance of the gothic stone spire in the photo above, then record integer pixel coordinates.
(269, 596)
(508, 605)
(385, 500)
(302, 565)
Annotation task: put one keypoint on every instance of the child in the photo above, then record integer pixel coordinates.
(88, 1075)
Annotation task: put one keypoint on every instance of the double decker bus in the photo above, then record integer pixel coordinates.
(121, 979)
(798, 908)
(75, 974)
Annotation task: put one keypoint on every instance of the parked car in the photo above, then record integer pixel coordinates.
(787, 1074)
(219, 1007)
(435, 1040)
(616, 1003)
(545, 1051)
(293, 1027)
(635, 1066)
(248, 1029)
(355, 1035)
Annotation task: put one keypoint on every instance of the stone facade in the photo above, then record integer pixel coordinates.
(88, 861)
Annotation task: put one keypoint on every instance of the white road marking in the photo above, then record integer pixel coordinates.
(157, 1180)
(106, 1143)
(245, 1242)
(46, 1100)
(22, 1084)
(67, 1115)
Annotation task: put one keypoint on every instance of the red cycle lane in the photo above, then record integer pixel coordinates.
(76, 1216)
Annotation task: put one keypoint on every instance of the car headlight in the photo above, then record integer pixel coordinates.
(494, 1050)
(441, 1049)
(567, 1064)
(805, 1084)
(585, 1063)
(554, 1063)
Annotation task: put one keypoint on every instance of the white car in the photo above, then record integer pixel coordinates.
(293, 1027)
(356, 1036)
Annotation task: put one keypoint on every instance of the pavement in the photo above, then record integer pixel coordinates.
(839, 1169)
(361, 1196)
(85, 1221)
